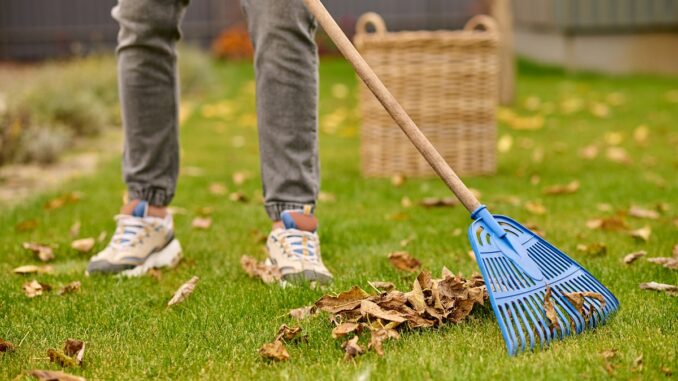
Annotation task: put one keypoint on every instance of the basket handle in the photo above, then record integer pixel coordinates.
(484, 21)
(370, 18)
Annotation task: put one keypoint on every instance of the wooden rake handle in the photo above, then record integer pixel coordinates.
(391, 105)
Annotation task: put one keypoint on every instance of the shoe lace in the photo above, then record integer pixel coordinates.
(129, 231)
(300, 244)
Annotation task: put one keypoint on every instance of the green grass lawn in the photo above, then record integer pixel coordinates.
(215, 334)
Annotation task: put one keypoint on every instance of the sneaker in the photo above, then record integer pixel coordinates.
(139, 244)
(295, 249)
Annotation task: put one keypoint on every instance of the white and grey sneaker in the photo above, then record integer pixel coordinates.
(295, 249)
(139, 244)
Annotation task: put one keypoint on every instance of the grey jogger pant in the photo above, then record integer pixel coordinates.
(285, 61)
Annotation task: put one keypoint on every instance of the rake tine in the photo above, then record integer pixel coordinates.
(539, 313)
(515, 321)
(526, 324)
(509, 336)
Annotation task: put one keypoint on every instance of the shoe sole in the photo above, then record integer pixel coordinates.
(168, 257)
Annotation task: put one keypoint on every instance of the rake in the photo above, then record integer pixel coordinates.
(537, 292)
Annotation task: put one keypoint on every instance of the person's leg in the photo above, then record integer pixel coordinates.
(286, 65)
(148, 85)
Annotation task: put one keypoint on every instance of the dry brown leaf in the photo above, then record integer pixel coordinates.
(637, 364)
(302, 313)
(267, 273)
(535, 207)
(239, 177)
(75, 349)
(431, 202)
(398, 180)
(595, 248)
(326, 197)
(638, 212)
(630, 258)
(670, 263)
(44, 252)
(71, 287)
(58, 202)
(286, 333)
(6, 346)
(344, 329)
(26, 225)
(35, 288)
(202, 223)
(578, 298)
(238, 197)
(667, 288)
(382, 286)
(84, 245)
(102, 236)
(345, 301)
(569, 188)
(416, 297)
(371, 309)
(617, 155)
(613, 223)
(589, 152)
(352, 349)
(403, 261)
(32, 269)
(667, 371)
(550, 310)
(642, 234)
(184, 291)
(54, 375)
(608, 355)
(274, 351)
(155, 273)
(218, 189)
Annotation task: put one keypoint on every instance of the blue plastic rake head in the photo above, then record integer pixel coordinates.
(518, 266)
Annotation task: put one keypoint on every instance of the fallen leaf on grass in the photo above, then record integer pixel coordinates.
(238, 197)
(44, 252)
(667, 288)
(382, 286)
(345, 301)
(35, 288)
(302, 313)
(352, 349)
(667, 262)
(398, 180)
(589, 152)
(638, 212)
(608, 355)
(403, 261)
(326, 197)
(58, 202)
(405, 202)
(61, 358)
(32, 269)
(667, 371)
(83, 245)
(372, 309)
(535, 207)
(630, 258)
(267, 273)
(344, 329)
(102, 236)
(69, 288)
(239, 177)
(274, 351)
(183, 292)
(504, 143)
(578, 298)
(596, 248)
(569, 188)
(217, 189)
(202, 223)
(432, 202)
(612, 223)
(75, 349)
(550, 310)
(617, 155)
(54, 375)
(637, 364)
(26, 225)
(74, 231)
(6, 346)
(642, 234)
(288, 333)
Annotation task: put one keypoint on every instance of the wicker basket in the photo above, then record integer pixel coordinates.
(446, 81)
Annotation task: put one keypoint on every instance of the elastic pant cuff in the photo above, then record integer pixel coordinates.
(273, 209)
(154, 196)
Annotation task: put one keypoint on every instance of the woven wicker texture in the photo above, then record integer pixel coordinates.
(446, 81)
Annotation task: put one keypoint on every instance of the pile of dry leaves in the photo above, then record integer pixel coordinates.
(430, 303)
